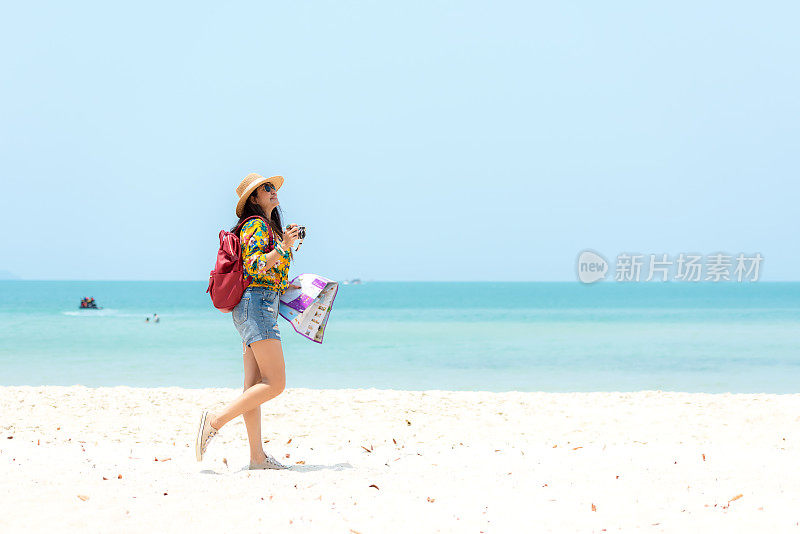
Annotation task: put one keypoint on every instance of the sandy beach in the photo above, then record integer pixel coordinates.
(122, 459)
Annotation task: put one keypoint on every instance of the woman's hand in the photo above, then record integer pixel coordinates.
(292, 286)
(290, 236)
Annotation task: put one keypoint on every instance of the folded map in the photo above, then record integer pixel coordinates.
(309, 307)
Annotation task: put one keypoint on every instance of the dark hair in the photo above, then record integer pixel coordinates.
(251, 208)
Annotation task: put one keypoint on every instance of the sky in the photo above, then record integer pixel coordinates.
(428, 140)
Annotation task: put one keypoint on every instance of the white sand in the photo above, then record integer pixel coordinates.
(462, 462)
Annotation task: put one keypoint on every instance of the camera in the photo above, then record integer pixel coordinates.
(301, 232)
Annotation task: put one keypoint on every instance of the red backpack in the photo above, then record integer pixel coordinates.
(228, 280)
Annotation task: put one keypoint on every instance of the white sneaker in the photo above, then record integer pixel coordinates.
(269, 463)
(204, 434)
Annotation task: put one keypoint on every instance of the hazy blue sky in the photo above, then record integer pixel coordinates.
(419, 140)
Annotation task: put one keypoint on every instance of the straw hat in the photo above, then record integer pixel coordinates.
(249, 184)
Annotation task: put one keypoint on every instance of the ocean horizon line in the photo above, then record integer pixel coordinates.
(369, 280)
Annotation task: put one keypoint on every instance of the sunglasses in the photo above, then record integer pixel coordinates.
(269, 187)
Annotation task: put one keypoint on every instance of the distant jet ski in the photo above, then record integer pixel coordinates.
(88, 303)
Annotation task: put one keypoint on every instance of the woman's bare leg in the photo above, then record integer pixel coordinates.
(268, 355)
(252, 419)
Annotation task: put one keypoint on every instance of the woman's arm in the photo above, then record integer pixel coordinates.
(260, 263)
(255, 239)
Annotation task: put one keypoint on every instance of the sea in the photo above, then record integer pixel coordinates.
(479, 336)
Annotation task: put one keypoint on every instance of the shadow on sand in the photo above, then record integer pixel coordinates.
(297, 468)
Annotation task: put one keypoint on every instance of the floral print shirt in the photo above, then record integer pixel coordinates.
(254, 237)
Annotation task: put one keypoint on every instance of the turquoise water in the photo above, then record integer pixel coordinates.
(419, 335)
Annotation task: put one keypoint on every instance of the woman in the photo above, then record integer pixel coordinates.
(256, 316)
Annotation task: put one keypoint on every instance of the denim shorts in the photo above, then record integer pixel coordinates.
(256, 315)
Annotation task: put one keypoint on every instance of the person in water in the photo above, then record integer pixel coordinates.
(256, 316)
